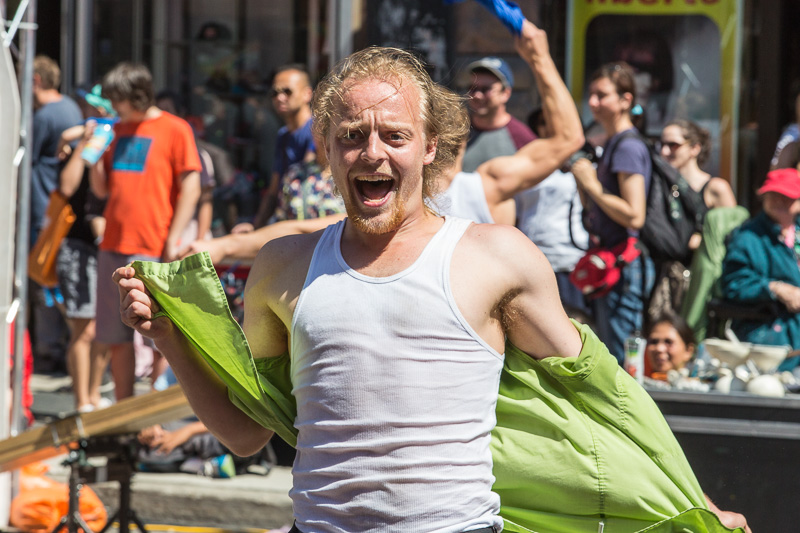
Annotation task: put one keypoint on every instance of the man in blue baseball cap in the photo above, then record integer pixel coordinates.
(493, 132)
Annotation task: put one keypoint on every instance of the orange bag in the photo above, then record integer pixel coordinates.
(58, 220)
(42, 502)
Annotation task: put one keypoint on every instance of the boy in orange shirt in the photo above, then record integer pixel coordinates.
(150, 175)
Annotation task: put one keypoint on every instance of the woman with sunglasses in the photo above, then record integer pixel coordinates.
(686, 146)
(614, 197)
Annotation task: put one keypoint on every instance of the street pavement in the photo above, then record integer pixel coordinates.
(174, 502)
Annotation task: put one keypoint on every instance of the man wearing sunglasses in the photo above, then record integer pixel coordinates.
(291, 98)
(493, 131)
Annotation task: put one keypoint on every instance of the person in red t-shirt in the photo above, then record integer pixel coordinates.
(151, 177)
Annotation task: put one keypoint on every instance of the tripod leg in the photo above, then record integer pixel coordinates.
(137, 521)
(79, 521)
(124, 505)
(111, 520)
(60, 525)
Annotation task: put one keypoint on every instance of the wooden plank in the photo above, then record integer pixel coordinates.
(127, 416)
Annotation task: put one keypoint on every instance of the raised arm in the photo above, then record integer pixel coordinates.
(504, 177)
(72, 174)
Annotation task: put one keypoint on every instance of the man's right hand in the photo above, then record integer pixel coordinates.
(137, 307)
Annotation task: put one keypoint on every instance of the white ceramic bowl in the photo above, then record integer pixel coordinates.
(766, 385)
(731, 353)
(768, 358)
(730, 383)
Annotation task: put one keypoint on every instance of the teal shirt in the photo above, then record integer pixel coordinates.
(756, 255)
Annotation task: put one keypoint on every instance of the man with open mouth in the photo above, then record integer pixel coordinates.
(393, 322)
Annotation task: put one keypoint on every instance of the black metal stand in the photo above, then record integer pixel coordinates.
(120, 452)
(73, 521)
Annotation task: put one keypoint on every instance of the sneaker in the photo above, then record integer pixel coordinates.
(220, 467)
(104, 402)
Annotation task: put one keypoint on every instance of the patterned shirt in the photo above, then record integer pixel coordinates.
(306, 193)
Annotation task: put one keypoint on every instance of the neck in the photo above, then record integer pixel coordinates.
(620, 123)
(372, 247)
(491, 121)
(295, 121)
(446, 178)
(48, 96)
(140, 116)
(693, 174)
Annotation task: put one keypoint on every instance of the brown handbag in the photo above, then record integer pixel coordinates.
(58, 220)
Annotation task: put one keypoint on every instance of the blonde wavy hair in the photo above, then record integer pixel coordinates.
(442, 111)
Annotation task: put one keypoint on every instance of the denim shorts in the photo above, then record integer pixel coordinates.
(76, 268)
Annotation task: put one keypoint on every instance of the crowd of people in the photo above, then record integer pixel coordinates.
(373, 156)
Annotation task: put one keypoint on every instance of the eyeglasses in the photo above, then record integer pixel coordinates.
(672, 145)
(275, 92)
(483, 89)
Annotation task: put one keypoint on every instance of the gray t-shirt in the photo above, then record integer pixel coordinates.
(49, 122)
(484, 145)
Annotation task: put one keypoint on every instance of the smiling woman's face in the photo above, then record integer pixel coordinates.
(666, 350)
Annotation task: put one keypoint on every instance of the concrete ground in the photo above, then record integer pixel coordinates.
(176, 502)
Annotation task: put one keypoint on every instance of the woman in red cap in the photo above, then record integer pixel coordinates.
(761, 265)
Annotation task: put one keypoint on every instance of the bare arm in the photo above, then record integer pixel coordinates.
(505, 288)
(628, 209)
(72, 174)
(535, 320)
(504, 177)
(720, 194)
(206, 393)
(268, 202)
(205, 212)
(98, 180)
(247, 245)
(184, 211)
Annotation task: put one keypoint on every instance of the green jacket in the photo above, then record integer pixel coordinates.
(577, 442)
(706, 266)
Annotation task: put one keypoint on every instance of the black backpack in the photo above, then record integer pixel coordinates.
(674, 210)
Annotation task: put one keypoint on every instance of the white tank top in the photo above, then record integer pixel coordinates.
(465, 198)
(396, 398)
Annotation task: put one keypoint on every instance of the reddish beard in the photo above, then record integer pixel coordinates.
(378, 224)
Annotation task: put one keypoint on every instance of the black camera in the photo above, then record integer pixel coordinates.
(587, 151)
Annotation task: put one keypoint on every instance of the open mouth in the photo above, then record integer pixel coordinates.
(374, 189)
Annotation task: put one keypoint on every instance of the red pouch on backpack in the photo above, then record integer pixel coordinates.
(601, 268)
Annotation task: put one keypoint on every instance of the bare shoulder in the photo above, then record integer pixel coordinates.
(498, 271)
(273, 287)
(719, 185)
(282, 260)
(721, 193)
(504, 246)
